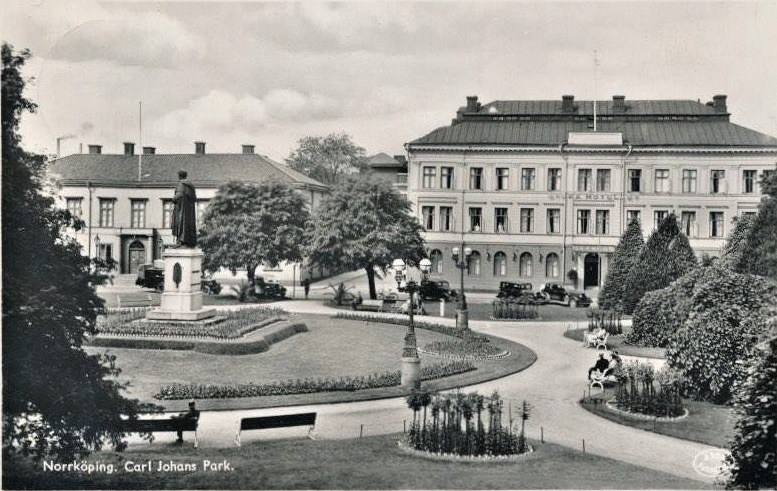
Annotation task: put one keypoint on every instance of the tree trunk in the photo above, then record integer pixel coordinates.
(250, 269)
(371, 281)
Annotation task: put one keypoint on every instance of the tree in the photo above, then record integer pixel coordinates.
(327, 158)
(624, 260)
(249, 224)
(57, 399)
(681, 255)
(737, 241)
(365, 224)
(759, 255)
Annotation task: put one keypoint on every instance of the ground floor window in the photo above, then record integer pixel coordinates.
(526, 264)
(552, 265)
(436, 258)
(473, 264)
(500, 264)
(716, 224)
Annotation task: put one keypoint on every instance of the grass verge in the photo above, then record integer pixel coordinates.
(367, 463)
(618, 343)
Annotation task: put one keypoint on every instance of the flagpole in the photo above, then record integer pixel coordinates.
(140, 141)
(596, 86)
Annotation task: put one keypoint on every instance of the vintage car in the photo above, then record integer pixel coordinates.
(557, 294)
(153, 276)
(515, 291)
(268, 289)
(436, 290)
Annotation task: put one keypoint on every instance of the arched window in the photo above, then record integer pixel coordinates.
(526, 264)
(500, 264)
(436, 257)
(552, 268)
(473, 264)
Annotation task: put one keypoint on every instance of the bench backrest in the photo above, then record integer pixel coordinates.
(372, 302)
(152, 425)
(282, 421)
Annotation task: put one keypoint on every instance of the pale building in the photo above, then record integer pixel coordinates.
(125, 200)
(536, 191)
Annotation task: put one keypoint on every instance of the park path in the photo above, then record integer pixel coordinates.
(552, 385)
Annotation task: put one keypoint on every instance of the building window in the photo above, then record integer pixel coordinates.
(74, 206)
(688, 223)
(446, 177)
(554, 179)
(689, 180)
(167, 213)
(106, 212)
(446, 218)
(602, 222)
(554, 221)
(527, 179)
(476, 178)
(635, 180)
(662, 181)
(717, 178)
(632, 215)
(583, 219)
(658, 217)
(436, 258)
(527, 220)
(502, 178)
(138, 213)
(716, 224)
(500, 220)
(473, 264)
(584, 179)
(106, 252)
(603, 179)
(526, 265)
(199, 211)
(475, 219)
(552, 269)
(748, 214)
(748, 178)
(427, 214)
(500, 264)
(428, 180)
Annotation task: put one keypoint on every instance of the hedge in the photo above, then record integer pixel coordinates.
(429, 326)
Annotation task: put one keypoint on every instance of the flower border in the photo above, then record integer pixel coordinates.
(611, 407)
(473, 459)
(498, 356)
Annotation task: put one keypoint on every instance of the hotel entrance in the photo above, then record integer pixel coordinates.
(592, 270)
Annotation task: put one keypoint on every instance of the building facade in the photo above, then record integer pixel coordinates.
(125, 200)
(541, 193)
(390, 169)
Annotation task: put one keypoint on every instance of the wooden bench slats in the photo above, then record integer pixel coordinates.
(160, 425)
(282, 421)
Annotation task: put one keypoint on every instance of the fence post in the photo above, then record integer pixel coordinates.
(583, 445)
(404, 426)
(361, 430)
(542, 435)
(442, 307)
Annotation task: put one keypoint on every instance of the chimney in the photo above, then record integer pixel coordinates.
(619, 103)
(95, 149)
(473, 105)
(248, 149)
(719, 103)
(567, 103)
(199, 148)
(149, 150)
(129, 148)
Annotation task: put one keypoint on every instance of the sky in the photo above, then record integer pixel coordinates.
(386, 73)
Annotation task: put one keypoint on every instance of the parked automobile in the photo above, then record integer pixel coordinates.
(153, 276)
(210, 286)
(557, 294)
(436, 290)
(268, 289)
(515, 291)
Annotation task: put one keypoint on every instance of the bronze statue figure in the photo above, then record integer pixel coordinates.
(184, 214)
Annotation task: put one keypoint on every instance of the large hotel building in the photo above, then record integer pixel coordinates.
(537, 189)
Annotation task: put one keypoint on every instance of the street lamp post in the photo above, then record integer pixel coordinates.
(411, 363)
(460, 256)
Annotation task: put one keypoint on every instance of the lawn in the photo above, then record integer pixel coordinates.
(712, 424)
(367, 463)
(330, 348)
(619, 343)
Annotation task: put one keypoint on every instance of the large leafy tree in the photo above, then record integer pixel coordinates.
(248, 224)
(737, 241)
(57, 399)
(624, 260)
(327, 159)
(365, 224)
(759, 255)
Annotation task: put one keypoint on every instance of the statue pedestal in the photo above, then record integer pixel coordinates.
(182, 298)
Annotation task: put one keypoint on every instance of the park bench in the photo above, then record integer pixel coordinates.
(166, 425)
(134, 300)
(599, 378)
(377, 305)
(591, 340)
(281, 421)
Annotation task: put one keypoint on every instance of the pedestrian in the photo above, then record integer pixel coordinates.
(192, 413)
(306, 286)
(601, 365)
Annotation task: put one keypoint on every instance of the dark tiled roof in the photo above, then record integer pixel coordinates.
(203, 169)
(603, 108)
(384, 160)
(643, 133)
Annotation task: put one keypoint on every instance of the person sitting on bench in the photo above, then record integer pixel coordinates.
(193, 413)
(601, 365)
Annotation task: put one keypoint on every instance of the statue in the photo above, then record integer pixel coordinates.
(184, 215)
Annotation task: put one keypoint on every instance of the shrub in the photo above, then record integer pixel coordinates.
(429, 326)
(736, 242)
(724, 321)
(759, 255)
(608, 320)
(623, 261)
(307, 385)
(475, 347)
(636, 392)
(510, 309)
(340, 293)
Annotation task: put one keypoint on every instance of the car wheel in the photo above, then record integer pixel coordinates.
(572, 303)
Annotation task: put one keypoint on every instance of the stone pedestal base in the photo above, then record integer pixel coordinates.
(411, 372)
(462, 319)
(182, 298)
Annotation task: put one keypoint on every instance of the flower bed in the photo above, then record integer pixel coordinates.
(513, 310)
(475, 348)
(237, 324)
(429, 326)
(636, 392)
(306, 386)
(472, 459)
(612, 405)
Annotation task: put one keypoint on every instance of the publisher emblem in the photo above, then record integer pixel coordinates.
(709, 463)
